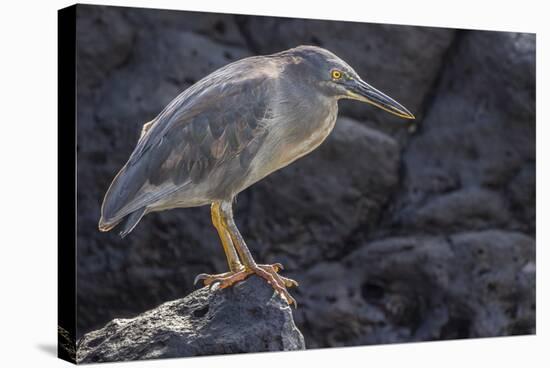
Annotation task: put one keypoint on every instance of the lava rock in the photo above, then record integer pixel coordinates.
(418, 288)
(477, 143)
(248, 317)
(66, 347)
(105, 42)
(222, 28)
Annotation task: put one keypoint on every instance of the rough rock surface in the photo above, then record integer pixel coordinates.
(471, 284)
(246, 318)
(395, 232)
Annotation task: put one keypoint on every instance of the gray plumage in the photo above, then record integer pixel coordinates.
(233, 128)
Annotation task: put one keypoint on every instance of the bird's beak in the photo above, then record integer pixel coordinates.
(362, 91)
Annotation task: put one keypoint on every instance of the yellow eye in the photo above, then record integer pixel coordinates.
(336, 74)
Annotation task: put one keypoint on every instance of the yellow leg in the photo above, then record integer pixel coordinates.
(235, 248)
(267, 272)
(232, 258)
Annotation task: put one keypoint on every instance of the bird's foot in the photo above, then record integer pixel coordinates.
(208, 279)
(265, 271)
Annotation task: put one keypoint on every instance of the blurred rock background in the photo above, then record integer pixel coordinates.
(396, 232)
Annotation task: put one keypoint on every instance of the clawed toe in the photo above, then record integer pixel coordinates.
(289, 282)
(278, 282)
(267, 272)
(200, 277)
(208, 279)
(274, 269)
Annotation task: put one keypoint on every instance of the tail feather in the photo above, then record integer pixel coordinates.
(105, 225)
(131, 221)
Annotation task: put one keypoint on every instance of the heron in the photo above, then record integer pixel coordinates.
(226, 132)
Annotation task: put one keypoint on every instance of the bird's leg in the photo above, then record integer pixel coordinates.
(267, 272)
(233, 244)
(232, 258)
(230, 252)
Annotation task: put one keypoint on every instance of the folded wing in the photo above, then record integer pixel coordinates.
(213, 121)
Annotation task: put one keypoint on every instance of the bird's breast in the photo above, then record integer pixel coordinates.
(289, 140)
(292, 149)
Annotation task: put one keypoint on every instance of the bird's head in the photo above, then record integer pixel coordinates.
(336, 79)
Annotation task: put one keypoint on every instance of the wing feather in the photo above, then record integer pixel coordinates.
(214, 121)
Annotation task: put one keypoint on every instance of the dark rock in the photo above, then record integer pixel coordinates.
(66, 345)
(417, 288)
(222, 28)
(246, 318)
(481, 126)
(105, 41)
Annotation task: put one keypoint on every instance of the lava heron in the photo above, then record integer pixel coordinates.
(228, 131)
